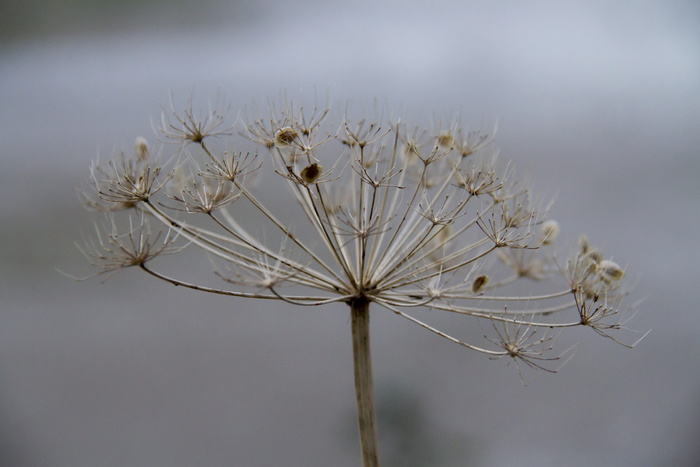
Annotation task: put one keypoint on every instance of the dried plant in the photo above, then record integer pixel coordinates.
(374, 214)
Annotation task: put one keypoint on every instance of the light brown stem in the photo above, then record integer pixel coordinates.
(363, 383)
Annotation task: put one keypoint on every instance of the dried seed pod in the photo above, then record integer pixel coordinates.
(594, 254)
(311, 173)
(549, 231)
(446, 139)
(141, 149)
(589, 252)
(610, 271)
(285, 136)
(479, 283)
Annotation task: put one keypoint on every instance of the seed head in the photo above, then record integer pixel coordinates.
(401, 219)
(187, 127)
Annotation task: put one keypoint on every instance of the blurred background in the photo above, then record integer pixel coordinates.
(597, 101)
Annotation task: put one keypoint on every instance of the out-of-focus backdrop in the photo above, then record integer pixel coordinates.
(598, 101)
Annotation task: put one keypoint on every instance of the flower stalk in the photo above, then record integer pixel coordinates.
(364, 393)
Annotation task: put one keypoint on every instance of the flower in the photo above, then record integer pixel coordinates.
(205, 195)
(114, 251)
(400, 220)
(186, 127)
(518, 342)
(124, 182)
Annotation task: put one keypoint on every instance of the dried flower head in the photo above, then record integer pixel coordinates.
(123, 183)
(414, 211)
(205, 195)
(186, 127)
(400, 220)
(519, 343)
(114, 251)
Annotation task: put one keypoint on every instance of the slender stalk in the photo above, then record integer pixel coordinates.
(363, 383)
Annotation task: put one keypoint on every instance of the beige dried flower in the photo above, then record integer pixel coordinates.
(399, 221)
(186, 127)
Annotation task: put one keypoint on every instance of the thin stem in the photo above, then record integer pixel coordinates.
(363, 383)
(296, 300)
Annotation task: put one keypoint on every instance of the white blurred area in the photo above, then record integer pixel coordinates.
(597, 101)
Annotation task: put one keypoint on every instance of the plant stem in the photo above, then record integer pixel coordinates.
(363, 383)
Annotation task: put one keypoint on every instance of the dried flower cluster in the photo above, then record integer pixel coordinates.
(362, 212)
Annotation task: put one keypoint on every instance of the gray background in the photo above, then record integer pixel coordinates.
(598, 101)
